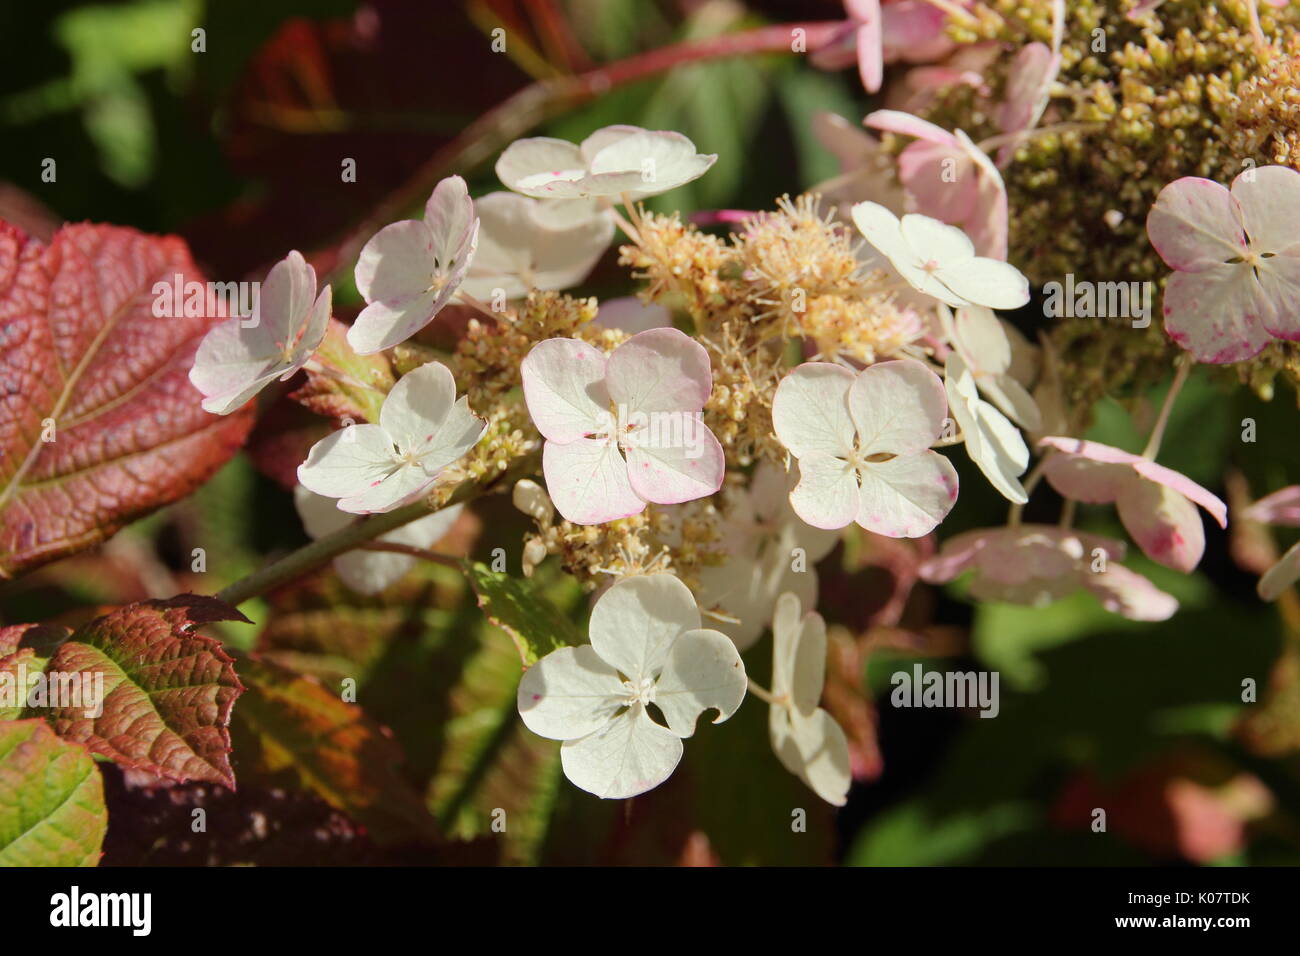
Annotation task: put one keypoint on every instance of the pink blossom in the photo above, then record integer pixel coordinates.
(1236, 260)
(1039, 564)
(625, 429)
(1155, 503)
(949, 178)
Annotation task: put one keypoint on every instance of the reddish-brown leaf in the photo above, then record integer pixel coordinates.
(84, 361)
(167, 691)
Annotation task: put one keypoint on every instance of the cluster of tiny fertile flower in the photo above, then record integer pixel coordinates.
(1181, 90)
(789, 275)
(679, 541)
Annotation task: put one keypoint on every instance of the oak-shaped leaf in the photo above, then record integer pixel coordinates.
(51, 799)
(294, 731)
(167, 692)
(517, 606)
(99, 423)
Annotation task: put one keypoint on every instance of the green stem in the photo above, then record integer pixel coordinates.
(313, 555)
(1158, 432)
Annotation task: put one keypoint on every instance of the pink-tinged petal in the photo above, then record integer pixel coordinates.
(827, 494)
(419, 403)
(669, 474)
(636, 622)
(460, 431)
(1129, 594)
(381, 325)
(941, 178)
(905, 124)
(569, 694)
(907, 497)
(1279, 280)
(587, 481)
(449, 214)
(287, 297)
(871, 52)
(1144, 467)
(564, 389)
(1195, 224)
(989, 223)
(1269, 198)
(1281, 576)
(661, 370)
(401, 487)
(898, 408)
(528, 165)
(646, 164)
(606, 136)
(1280, 508)
(397, 264)
(1219, 313)
(232, 365)
(810, 411)
(915, 31)
(1029, 83)
(1091, 482)
(347, 462)
(958, 555)
(1178, 482)
(1165, 525)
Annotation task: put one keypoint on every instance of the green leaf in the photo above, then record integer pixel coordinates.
(517, 606)
(912, 835)
(167, 692)
(51, 799)
(292, 729)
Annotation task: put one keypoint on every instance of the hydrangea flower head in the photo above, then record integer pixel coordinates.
(612, 161)
(647, 648)
(526, 244)
(410, 269)
(369, 572)
(374, 468)
(239, 358)
(939, 260)
(1155, 503)
(1039, 564)
(806, 738)
(863, 445)
(1236, 260)
(625, 429)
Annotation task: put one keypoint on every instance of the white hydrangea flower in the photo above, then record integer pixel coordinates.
(410, 269)
(993, 443)
(759, 539)
(610, 162)
(982, 341)
(526, 244)
(374, 468)
(940, 260)
(369, 572)
(806, 738)
(240, 357)
(647, 647)
(863, 445)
